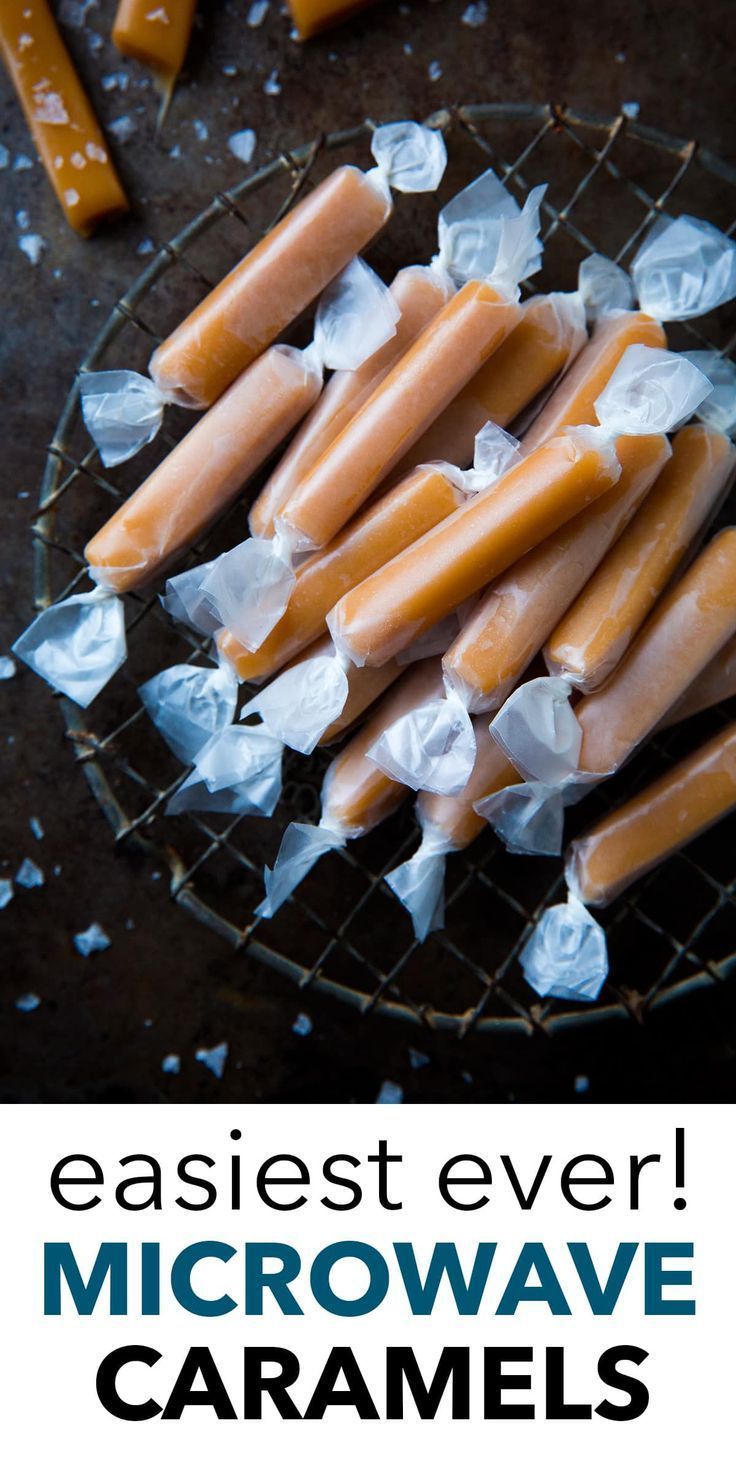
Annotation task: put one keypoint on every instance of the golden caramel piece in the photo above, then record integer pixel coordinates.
(269, 288)
(64, 128)
(513, 618)
(573, 401)
(312, 16)
(204, 472)
(155, 32)
(380, 532)
(674, 810)
(444, 356)
(478, 542)
(419, 294)
(595, 633)
(688, 627)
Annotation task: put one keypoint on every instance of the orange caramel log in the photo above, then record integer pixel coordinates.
(357, 795)
(688, 627)
(478, 542)
(455, 817)
(597, 630)
(716, 684)
(444, 356)
(682, 804)
(531, 357)
(419, 294)
(62, 123)
(204, 472)
(269, 288)
(312, 16)
(155, 32)
(381, 531)
(573, 400)
(514, 617)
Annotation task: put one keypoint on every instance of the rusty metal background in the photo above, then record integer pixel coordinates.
(343, 932)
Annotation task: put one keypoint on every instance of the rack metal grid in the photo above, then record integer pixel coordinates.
(343, 932)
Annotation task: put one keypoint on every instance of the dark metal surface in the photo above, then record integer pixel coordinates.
(269, 1065)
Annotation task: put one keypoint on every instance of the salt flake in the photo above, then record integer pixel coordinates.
(257, 13)
(242, 145)
(28, 1002)
(272, 85)
(434, 71)
(6, 892)
(32, 246)
(22, 162)
(37, 828)
(171, 1063)
(302, 1025)
(390, 1093)
(417, 1059)
(29, 875)
(115, 81)
(8, 667)
(4, 157)
(92, 939)
(475, 15)
(213, 1058)
(201, 130)
(122, 128)
(630, 109)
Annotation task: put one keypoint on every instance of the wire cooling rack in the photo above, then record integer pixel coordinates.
(343, 932)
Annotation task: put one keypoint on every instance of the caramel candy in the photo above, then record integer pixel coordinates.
(478, 542)
(595, 633)
(204, 472)
(688, 627)
(444, 356)
(64, 128)
(155, 32)
(573, 401)
(395, 521)
(682, 804)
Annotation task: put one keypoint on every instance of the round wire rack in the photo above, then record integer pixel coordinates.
(343, 931)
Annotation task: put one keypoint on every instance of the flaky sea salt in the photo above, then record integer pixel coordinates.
(32, 246)
(417, 1059)
(28, 1002)
(302, 1025)
(21, 163)
(257, 13)
(8, 667)
(116, 82)
(29, 875)
(6, 892)
(390, 1093)
(630, 109)
(201, 130)
(171, 1063)
(37, 828)
(145, 247)
(272, 85)
(123, 129)
(475, 15)
(242, 145)
(94, 938)
(4, 157)
(434, 71)
(213, 1058)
